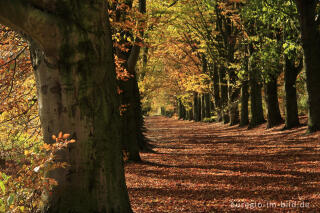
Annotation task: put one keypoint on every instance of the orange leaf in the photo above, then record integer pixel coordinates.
(65, 136)
(46, 146)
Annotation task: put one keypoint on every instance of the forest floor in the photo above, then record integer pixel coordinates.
(202, 167)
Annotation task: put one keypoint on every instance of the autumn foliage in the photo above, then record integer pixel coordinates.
(24, 158)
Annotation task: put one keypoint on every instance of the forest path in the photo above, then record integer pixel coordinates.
(201, 167)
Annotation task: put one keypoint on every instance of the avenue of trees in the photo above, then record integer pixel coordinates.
(229, 58)
(81, 64)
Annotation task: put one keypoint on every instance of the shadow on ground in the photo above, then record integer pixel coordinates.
(200, 167)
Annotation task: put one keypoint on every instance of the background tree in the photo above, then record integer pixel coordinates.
(127, 42)
(309, 26)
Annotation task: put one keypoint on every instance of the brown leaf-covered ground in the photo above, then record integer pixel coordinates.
(200, 167)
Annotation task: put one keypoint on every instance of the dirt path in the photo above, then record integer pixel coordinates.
(203, 167)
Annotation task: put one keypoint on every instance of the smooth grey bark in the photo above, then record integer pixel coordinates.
(76, 84)
(310, 35)
(291, 106)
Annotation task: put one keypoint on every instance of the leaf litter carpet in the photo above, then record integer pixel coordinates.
(201, 167)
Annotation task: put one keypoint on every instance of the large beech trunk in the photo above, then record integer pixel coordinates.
(271, 97)
(78, 95)
(310, 35)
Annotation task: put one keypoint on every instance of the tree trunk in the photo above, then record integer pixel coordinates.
(196, 108)
(190, 114)
(203, 107)
(255, 101)
(77, 92)
(163, 111)
(224, 96)
(310, 42)
(216, 92)
(271, 96)
(200, 106)
(132, 118)
(181, 110)
(207, 105)
(234, 107)
(244, 119)
(233, 102)
(290, 75)
(131, 126)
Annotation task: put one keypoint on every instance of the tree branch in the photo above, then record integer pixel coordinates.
(173, 3)
(38, 24)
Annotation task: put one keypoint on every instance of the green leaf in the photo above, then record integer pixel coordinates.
(2, 186)
(2, 206)
(10, 199)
